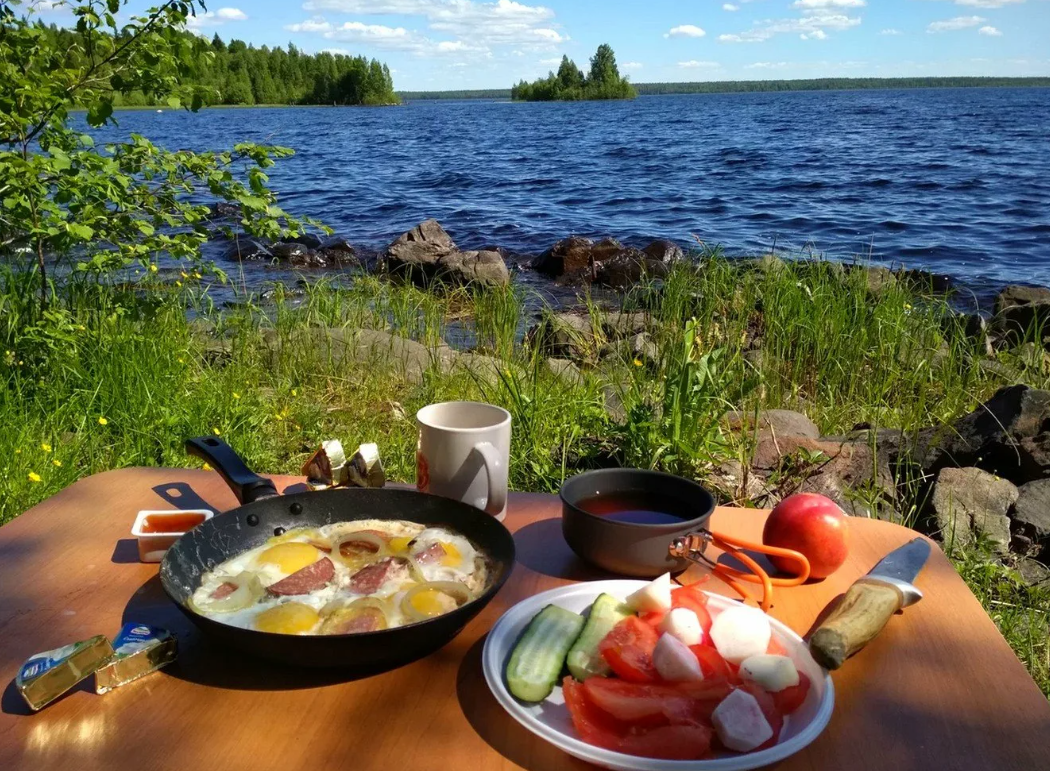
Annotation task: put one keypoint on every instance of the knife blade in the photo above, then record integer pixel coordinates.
(869, 604)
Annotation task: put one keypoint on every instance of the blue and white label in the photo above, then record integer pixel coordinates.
(133, 638)
(43, 662)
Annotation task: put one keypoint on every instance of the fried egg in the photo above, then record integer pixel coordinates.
(442, 555)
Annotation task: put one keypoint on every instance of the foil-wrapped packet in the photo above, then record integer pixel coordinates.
(328, 467)
(137, 650)
(46, 676)
(365, 469)
(322, 467)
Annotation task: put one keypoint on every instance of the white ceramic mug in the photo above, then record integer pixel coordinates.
(463, 453)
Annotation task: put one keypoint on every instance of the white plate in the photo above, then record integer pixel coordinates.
(550, 718)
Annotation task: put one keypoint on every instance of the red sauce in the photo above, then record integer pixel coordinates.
(638, 508)
(171, 523)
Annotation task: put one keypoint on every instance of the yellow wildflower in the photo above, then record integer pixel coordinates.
(295, 392)
(180, 360)
(152, 268)
(102, 421)
(56, 462)
(236, 395)
(637, 362)
(208, 468)
(184, 274)
(178, 283)
(35, 477)
(45, 447)
(215, 431)
(196, 274)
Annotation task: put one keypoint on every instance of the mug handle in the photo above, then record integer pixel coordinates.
(497, 497)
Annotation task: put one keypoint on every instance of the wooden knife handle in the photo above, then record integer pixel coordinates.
(861, 615)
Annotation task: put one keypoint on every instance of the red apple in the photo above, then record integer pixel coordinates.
(813, 525)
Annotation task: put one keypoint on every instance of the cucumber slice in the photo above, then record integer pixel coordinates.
(584, 660)
(539, 657)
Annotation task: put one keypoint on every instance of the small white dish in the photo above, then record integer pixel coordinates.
(550, 718)
(154, 541)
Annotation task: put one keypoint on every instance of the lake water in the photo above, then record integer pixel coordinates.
(956, 181)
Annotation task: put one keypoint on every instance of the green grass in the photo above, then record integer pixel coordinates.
(115, 377)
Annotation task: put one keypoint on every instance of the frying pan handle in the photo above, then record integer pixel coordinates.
(245, 483)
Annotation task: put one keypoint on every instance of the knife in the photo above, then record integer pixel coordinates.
(869, 603)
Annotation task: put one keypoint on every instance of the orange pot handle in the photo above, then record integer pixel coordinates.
(693, 547)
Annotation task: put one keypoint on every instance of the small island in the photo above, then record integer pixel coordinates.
(569, 84)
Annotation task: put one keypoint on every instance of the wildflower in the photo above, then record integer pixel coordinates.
(279, 416)
(57, 463)
(184, 274)
(196, 274)
(102, 421)
(208, 468)
(178, 283)
(35, 477)
(18, 451)
(45, 447)
(152, 268)
(295, 392)
(637, 362)
(236, 395)
(180, 360)
(81, 327)
(215, 431)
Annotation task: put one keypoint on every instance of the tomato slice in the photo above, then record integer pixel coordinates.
(638, 703)
(670, 742)
(713, 665)
(774, 716)
(628, 650)
(790, 699)
(775, 647)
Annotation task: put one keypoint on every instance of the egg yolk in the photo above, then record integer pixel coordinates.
(399, 545)
(452, 556)
(431, 602)
(289, 618)
(290, 557)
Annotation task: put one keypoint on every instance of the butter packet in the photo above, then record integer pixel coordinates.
(365, 469)
(137, 650)
(46, 676)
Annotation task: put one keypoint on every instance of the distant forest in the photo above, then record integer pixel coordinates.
(241, 74)
(734, 86)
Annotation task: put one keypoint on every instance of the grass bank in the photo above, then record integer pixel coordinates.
(112, 377)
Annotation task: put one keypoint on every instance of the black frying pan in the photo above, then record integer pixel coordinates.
(265, 514)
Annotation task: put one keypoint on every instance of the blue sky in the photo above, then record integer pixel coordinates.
(445, 44)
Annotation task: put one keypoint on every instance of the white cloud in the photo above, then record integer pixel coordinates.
(215, 18)
(316, 24)
(986, 3)
(503, 22)
(808, 25)
(891, 31)
(990, 31)
(766, 66)
(631, 66)
(811, 4)
(959, 22)
(693, 64)
(553, 62)
(817, 34)
(685, 30)
(730, 7)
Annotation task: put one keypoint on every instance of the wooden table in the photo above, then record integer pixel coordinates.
(940, 689)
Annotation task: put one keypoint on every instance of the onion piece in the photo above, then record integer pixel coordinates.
(452, 589)
(361, 549)
(248, 589)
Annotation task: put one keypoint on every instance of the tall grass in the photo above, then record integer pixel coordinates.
(119, 376)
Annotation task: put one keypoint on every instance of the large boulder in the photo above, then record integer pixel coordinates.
(1021, 310)
(426, 254)
(291, 251)
(576, 256)
(628, 268)
(991, 436)
(969, 503)
(663, 250)
(1031, 514)
(309, 240)
(774, 423)
(248, 249)
(565, 336)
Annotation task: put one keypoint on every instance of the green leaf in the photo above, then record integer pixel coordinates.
(113, 5)
(82, 232)
(174, 102)
(99, 113)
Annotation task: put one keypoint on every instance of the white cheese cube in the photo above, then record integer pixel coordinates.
(773, 673)
(655, 595)
(740, 723)
(674, 661)
(740, 632)
(683, 624)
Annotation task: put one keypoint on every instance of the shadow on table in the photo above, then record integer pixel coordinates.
(498, 729)
(206, 662)
(183, 497)
(541, 547)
